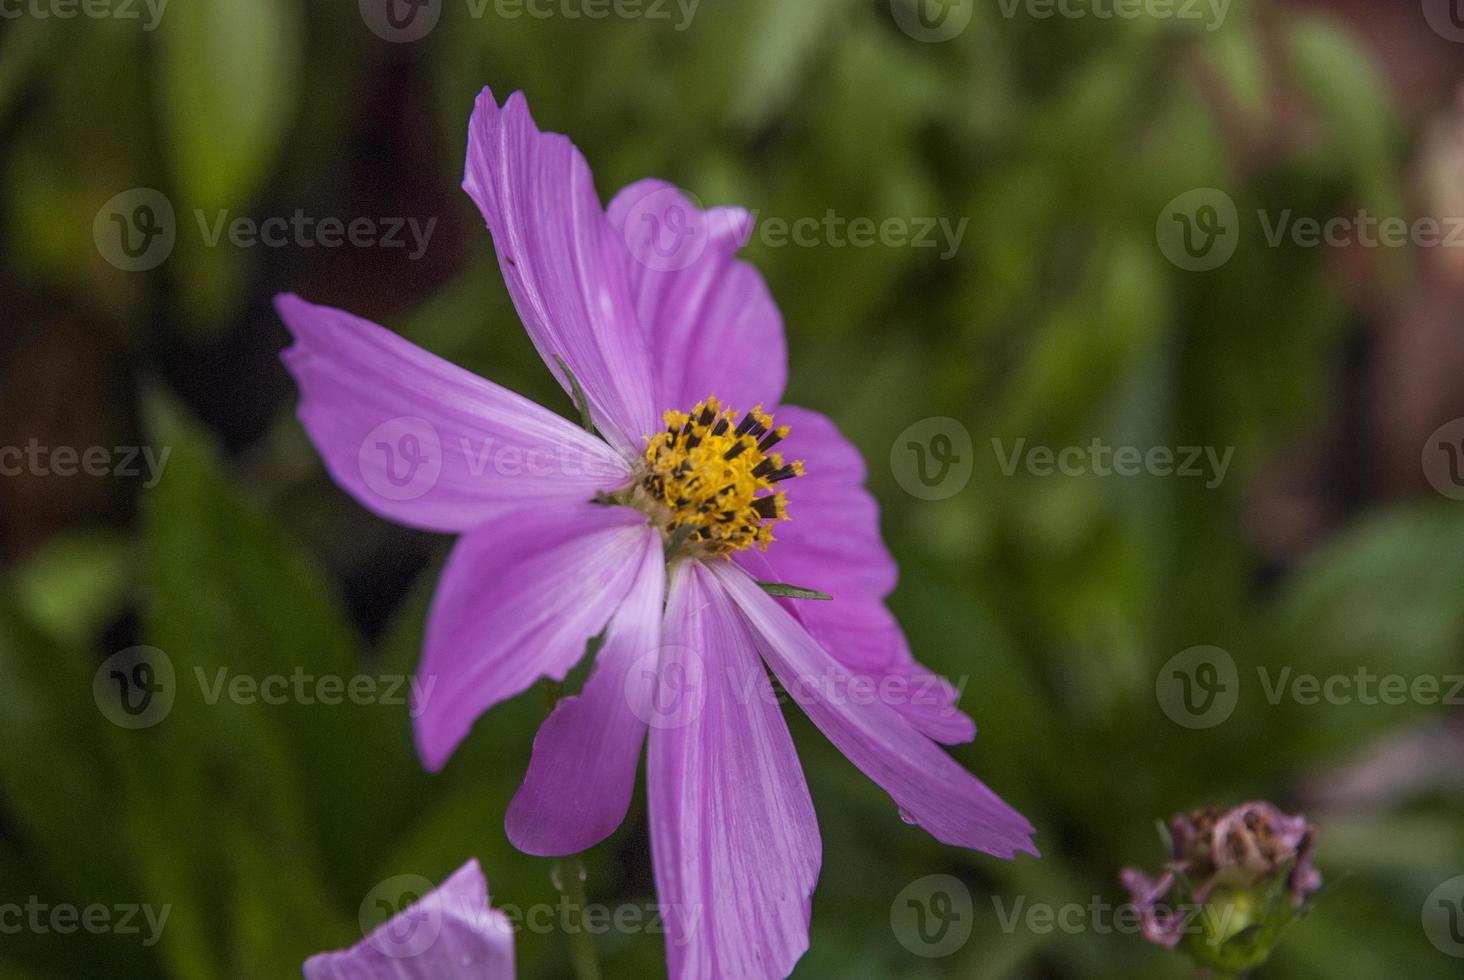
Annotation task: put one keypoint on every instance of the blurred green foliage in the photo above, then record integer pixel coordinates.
(1057, 599)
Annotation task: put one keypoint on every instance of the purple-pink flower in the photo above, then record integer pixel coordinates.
(1223, 849)
(450, 932)
(658, 535)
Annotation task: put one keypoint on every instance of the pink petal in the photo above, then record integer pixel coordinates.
(582, 774)
(712, 324)
(519, 599)
(451, 932)
(422, 442)
(733, 836)
(932, 790)
(564, 266)
(832, 543)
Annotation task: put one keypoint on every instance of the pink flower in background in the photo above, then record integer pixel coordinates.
(1214, 850)
(450, 932)
(657, 537)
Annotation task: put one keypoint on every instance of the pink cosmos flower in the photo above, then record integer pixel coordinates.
(655, 538)
(449, 932)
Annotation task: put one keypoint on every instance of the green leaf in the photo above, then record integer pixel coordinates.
(232, 599)
(1336, 69)
(678, 538)
(792, 591)
(76, 584)
(230, 74)
(580, 401)
(54, 776)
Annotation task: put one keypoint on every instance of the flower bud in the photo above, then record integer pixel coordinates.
(1235, 881)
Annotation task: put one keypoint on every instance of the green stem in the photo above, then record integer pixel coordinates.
(569, 878)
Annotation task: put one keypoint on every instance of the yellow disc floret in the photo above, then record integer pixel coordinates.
(711, 481)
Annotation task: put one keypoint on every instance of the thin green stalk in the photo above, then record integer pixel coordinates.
(569, 878)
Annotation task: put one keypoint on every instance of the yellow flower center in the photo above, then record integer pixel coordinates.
(711, 483)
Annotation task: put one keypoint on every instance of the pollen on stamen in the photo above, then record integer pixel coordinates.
(715, 474)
